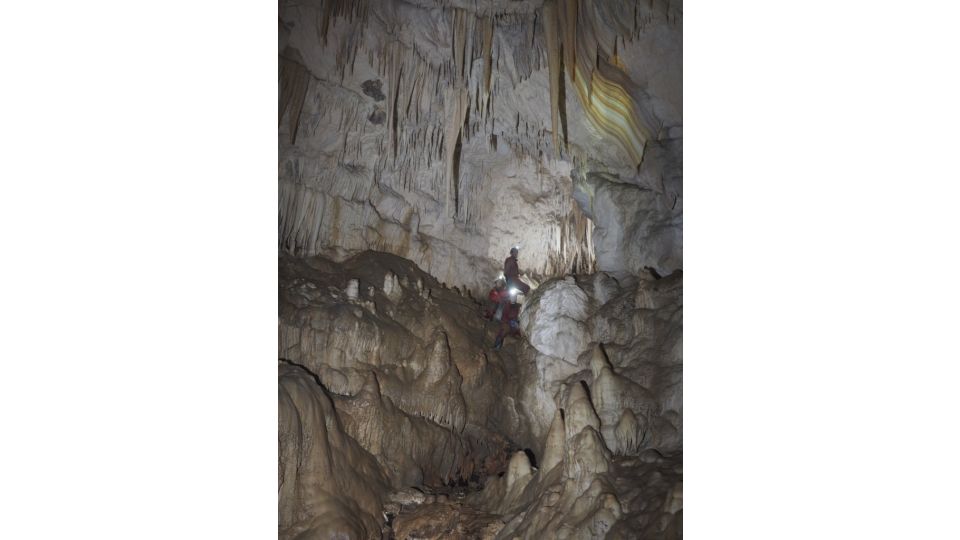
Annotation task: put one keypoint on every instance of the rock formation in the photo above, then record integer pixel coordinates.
(418, 141)
(447, 131)
(328, 484)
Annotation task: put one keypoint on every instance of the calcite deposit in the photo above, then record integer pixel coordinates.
(446, 132)
(419, 140)
(403, 381)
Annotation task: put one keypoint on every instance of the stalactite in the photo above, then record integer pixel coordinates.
(459, 43)
(487, 53)
(457, 102)
(435, 107)
(323, 25)
(551, 30)
(568, 22)
(393, 108)
(294, 81)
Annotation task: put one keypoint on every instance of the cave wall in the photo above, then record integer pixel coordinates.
(418, 141)
(447, 132)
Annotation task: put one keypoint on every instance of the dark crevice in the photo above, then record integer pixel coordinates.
(305, 368)
(562, 105)
(396, 97)
(456, 172)
(531, 456)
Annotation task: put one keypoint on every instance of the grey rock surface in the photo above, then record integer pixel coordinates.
(419, 140)
(438, 131)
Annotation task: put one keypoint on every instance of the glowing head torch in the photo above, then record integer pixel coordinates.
(514, 291)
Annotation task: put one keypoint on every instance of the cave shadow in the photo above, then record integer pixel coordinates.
(531, 456)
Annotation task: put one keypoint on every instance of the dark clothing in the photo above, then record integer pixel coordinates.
(508, 323)
(511, 270)
(504, 311)
(510, 311)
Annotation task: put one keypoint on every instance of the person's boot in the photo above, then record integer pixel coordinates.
(497, 344)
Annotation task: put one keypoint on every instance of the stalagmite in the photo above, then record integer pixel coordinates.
(599, 362)
(518, 472)
(674, 502)
(419, 142)
(353, 289)
(391, 287)
(579, 412)
(628, 433)
(553, 449)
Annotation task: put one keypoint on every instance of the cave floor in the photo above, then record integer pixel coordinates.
(447, 518)
(648, 484)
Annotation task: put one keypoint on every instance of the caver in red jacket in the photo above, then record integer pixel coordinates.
(509, 325)
(498, 297)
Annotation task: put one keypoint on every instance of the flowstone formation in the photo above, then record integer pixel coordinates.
(329, 485)
(624, 340)
(611, 461)
(419, 140)
(389, 399)
(447, 131)
(404, 361)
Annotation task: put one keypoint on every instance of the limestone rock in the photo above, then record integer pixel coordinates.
(554, 320)
(401, 123)
(419, 141)
(553, 448)
(391, 287)
(328, 484)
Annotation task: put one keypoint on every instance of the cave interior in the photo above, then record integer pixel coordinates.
(419, 141)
